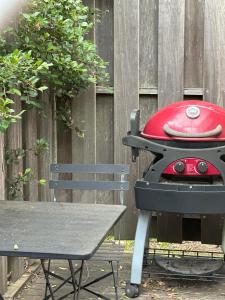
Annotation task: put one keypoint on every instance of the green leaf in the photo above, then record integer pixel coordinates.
(42, 181)
(42, 88)
(15, 91)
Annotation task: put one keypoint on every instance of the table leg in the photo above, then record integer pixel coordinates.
(76, 285)
(48, 284)
(115, 280)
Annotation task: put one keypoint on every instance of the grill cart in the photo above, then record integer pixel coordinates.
(187, 174)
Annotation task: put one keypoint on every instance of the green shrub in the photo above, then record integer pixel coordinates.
(48, 47)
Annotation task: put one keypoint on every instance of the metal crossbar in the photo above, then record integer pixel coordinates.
(89, 185)
(76, 284)
(90, 168)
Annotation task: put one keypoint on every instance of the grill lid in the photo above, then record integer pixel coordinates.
(191, 120)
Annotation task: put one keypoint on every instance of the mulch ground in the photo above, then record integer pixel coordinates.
(152, 288)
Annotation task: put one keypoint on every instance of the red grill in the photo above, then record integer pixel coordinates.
(188, 170)
(187, 174)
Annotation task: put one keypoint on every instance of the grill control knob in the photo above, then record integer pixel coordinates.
(179, 167)
(202, 167)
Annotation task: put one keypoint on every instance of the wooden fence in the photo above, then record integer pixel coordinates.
(159, 51)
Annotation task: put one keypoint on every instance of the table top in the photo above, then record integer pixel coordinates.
(54, 229)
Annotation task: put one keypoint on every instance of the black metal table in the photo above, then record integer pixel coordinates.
(49, 230)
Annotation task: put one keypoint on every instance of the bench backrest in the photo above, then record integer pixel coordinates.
(120, 185)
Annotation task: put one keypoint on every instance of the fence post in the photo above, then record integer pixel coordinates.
(126, 95)
(3, 260)
(84, 115)
(30, 134)
(170, 85)
(14, 141)
(213, 90)
(45, 130)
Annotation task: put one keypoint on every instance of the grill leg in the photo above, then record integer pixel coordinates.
(139, 246)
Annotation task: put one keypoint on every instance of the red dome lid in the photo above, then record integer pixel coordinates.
(191, 120)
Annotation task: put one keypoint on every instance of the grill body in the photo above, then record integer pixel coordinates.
(187, 174)
(188, 142)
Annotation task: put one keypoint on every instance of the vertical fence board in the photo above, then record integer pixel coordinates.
(45, 132)
(214, 88)
(148, 43)
(14, 141)
(126, 94)
(65, 157)
(3, 260)
(194, 40)
(170, 85)
(31, 161)
(214, 52)
(84, 115)
(104, 141)
(104, 34)
(170, 51)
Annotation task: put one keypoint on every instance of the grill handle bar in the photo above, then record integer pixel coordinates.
(134, 130)
(175, 133)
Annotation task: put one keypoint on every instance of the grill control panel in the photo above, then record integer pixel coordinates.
(191, 167)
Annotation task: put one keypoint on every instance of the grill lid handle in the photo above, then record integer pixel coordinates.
(206, 134)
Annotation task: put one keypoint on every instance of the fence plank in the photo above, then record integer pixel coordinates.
(104, 142)
(3, 260)
(30, 135)
(64, 156)
(84, 115)
(214, 52)
(194, 40)
(126, 94)
(104, 34)
(148, 43)
(170, 85)
(170, 51)
(14, 141)
(45, 132)
(214, 87)
(211, 229)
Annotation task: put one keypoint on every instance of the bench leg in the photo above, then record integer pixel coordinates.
(142, 233)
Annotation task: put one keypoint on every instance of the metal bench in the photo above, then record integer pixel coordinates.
(110, 251)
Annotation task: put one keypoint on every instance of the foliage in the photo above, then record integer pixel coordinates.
(13, 156)
(16, 183)
(54, 37)
(41, 147)
(19, 76)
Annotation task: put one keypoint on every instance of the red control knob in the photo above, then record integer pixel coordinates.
(179, 166)
(202, 167)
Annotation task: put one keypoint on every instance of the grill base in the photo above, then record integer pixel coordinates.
(198, 199)
(184, 265)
